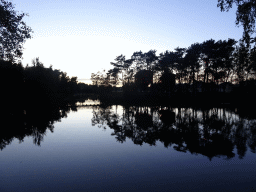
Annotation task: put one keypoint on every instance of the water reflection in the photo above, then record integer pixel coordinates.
(211, 132)
(33, 121)
(89, 100)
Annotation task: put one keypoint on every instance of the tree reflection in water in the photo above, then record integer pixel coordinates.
(211, 132)
(34, 121)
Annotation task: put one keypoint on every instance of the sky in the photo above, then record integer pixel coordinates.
(81, 37)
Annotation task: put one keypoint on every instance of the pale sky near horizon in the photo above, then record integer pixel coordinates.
(81, 37)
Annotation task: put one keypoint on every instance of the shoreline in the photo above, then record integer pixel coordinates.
(179, 99)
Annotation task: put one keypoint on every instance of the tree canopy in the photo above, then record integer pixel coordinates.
(209, 62)
(245, 15)
(13, 31)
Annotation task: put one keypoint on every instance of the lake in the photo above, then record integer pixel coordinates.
(129, 148)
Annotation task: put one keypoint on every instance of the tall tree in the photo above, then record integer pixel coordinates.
(180, 65)
(208, 56)
(129, 72)
(223, 64)
(119, 66)
(242, 64)
(245, 15)
(191, 58)
(138, 58)
(150, 58)
(166, 62)
(253, 61)
(13, 31)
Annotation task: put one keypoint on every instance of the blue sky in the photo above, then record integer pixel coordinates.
(81, 37)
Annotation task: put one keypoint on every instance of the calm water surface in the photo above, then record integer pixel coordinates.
(121, 148)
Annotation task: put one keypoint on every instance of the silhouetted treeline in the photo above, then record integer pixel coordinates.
(211, 66)
(36, 85)
(212, 132)
(33, 98)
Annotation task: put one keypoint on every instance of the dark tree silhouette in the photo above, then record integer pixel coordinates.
(167, 82)
(202, 70)
(143, 78)
(191, 58)
(245, 15)
(13, 31)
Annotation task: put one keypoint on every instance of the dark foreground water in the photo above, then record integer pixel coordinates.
(121, 148)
